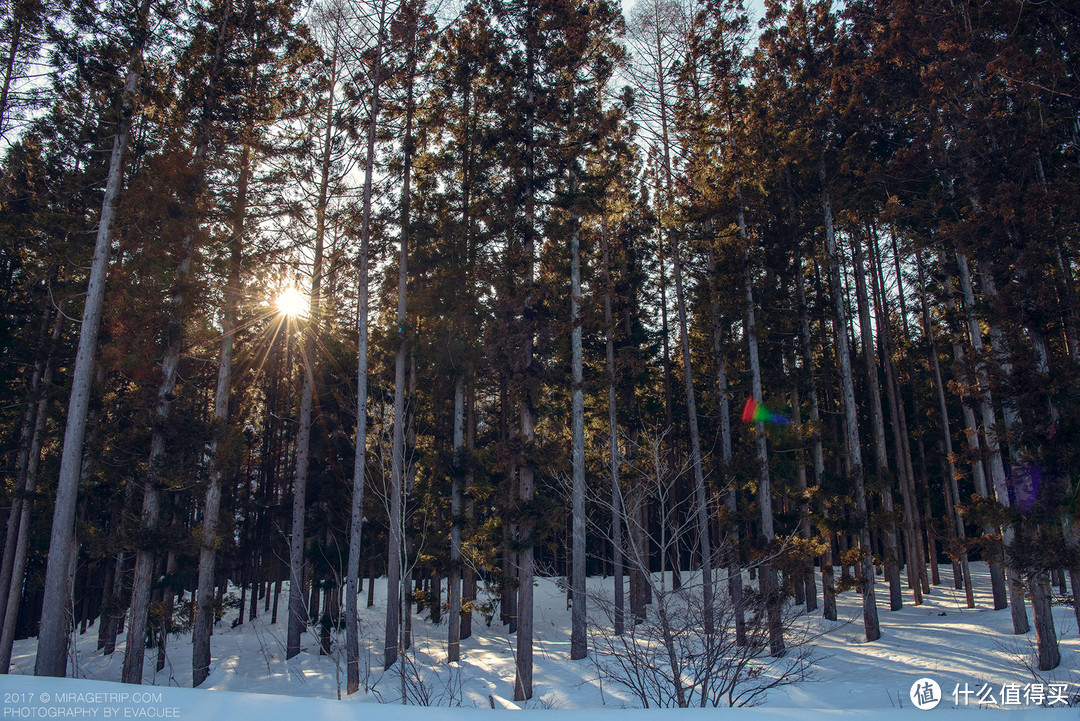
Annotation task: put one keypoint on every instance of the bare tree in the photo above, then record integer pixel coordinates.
(669, 658)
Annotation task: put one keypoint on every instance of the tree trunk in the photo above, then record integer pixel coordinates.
(734, 565)
(916, 556)
(453, 643)
(804, 576)
(168, 596)
(997, 467)
(53, 634)
(204, 605)
(613, 438)
(352, 639)
(24, 505)
(828, 585)
(997, 574)
(769, 588)
(523, 686)
(701, 499)
(34, 409)
(881, 460)
(870, 617)
(578, 645)
(393, 592)
(144, 558)
(1046, 637)
(468, 592)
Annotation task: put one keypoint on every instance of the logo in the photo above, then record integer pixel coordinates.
(925, 694)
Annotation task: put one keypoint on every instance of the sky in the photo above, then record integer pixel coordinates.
(755, 7)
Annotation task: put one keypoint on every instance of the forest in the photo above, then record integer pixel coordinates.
(735, 310)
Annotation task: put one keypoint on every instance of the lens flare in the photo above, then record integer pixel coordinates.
(292, 302)
(754, 412)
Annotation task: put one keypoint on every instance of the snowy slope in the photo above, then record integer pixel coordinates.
(940, 639)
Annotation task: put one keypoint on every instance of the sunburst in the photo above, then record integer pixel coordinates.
(292, 302)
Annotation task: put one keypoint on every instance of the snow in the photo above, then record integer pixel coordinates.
(850, 678)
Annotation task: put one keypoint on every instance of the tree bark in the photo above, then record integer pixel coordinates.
(734, 564)
(53, 634)
(34, 408)
(881, 460)
(523, 686)
(953, 494)
(870, 616)
(204, 599)
(144, 558)
(997, 467)
(24, 505)
(453, 643)
(769, 587)
(619, 618)
(701, 498)
(978, 474)
(1046, 637)
(578, 645)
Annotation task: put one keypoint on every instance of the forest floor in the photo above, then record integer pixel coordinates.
(941, 639)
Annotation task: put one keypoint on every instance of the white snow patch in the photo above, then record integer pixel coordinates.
(941, 639)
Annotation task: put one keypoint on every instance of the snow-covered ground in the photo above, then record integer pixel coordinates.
(941, 639)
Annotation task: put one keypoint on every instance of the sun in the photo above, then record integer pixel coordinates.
(292, 302)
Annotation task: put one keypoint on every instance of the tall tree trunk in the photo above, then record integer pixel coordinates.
(53, 634)
(1046, 636)
(997, 467)
(953, 494)
(20, 544)
(453, 643)
(394, 600)
(168, 597)
(881, 460)
(804, 576)
(523, 686)
(770, 589)
(613, 437)
(578, 645)
(734, 565)
(901, 438)
(701, 498)
(204, 599)
(870, 616)
(468, 591)
(828, 585)
(34, 408)
(152, 486)
(144, 558)
(978, 474)
(357, 509)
